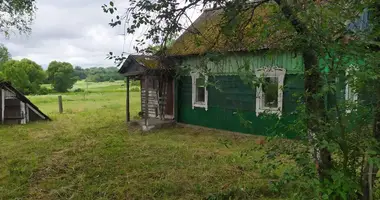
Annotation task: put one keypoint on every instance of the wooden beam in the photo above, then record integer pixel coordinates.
(176, 104)
(2, 105)
(35, 111)
(23, 112)
(128, 115)
(146, 100)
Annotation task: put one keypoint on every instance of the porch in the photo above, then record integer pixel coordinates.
(157, 91)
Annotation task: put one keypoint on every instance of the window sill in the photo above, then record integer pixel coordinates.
(200, 105)
(269, 111)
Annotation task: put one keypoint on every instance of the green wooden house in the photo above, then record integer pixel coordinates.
(229, 101)
(214, 89)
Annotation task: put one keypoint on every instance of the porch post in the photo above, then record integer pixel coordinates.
(146, 100)
(2, 105)
(128, 115)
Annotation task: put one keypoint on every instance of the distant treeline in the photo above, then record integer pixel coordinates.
(97, 74)
(27, 76)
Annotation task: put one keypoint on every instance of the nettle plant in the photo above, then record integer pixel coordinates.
(337, 121)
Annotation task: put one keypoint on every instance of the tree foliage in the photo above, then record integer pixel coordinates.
(25, 75)
(102, 74)
(80, 73)
(16, 15)
(97, 74)
(61, 76)
(333, 158)
(4, 54)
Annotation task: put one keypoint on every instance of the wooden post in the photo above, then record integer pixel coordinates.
(60, 104)
(146, 100)
(2, 105)
(175, 81)
(127, 103)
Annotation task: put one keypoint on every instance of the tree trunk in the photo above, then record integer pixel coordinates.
(313, 83)
(315, 109)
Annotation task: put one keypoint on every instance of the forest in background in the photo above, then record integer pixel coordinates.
(28, 76)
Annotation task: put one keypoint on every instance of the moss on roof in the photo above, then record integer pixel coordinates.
(151, 62)
(214, 31)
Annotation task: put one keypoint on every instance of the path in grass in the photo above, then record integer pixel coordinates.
(89, 153)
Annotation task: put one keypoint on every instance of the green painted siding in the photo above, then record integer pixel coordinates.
(231, 63)
(232, 106)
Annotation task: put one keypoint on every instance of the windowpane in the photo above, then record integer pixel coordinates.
(200, 81)
(351, 95)
(270, 90)
(200, 94)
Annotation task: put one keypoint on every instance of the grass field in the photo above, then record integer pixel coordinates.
(89, 153)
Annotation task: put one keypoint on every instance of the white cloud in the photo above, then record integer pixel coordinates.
(73, 31)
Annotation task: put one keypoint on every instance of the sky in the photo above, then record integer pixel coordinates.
(74, 31)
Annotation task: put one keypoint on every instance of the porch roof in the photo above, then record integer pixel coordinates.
(136, 65)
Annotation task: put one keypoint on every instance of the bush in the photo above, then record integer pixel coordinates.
(78, 90)
(111, 80)
(134, 89)
(134, 83)
(44, 91)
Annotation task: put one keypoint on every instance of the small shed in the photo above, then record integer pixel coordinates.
(157, 88)
(16, 108)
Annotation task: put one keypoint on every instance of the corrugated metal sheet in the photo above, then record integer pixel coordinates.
(362, 23)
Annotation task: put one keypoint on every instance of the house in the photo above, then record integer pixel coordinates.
(16, 108)
(215, 87)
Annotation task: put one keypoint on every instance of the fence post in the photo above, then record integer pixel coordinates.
(60, 104)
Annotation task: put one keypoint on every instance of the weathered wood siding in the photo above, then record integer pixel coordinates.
(152, 102)
(12, 112)
(152, 97)
(231, 64)
(33, 116)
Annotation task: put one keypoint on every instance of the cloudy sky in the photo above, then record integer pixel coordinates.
(75, 31)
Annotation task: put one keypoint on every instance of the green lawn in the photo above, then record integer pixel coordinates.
(89, 153)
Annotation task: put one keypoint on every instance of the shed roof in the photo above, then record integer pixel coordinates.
(139, 64)
(247, 31)
(21, 97)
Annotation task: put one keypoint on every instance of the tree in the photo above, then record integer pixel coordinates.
(319, 31)
(80, 73)
(4, 54)
(25, 75)
(100, 74)
(61, 76)
(16, 15)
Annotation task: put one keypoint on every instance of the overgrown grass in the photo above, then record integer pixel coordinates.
(90, 153)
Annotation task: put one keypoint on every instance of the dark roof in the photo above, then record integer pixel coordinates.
(140, 64)
(247, 31)
(22, 97)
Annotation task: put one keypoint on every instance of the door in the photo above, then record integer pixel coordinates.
(169, 108)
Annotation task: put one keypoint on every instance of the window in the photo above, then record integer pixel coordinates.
(351, 96)
(269, 94)
(199, 91)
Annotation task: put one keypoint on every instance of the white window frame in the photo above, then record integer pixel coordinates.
(195, 103)
(349, 93)
(279, 73)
